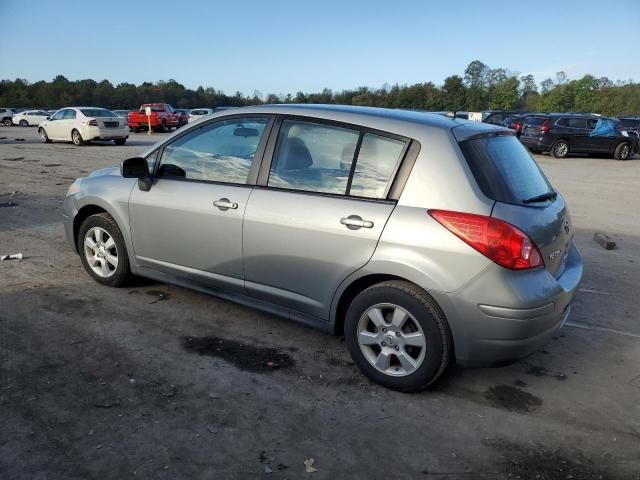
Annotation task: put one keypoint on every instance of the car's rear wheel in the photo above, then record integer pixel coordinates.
(622, 151)
(24, 123)
(102, 250)
(560, 149)
(120, 141)
(398, 336)
(76, 137)
(44, 138)
(7, 122)
(163, 127)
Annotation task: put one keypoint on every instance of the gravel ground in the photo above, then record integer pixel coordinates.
(155, 381)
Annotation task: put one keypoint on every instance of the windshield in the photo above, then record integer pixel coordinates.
(504, 170)
(97, 112)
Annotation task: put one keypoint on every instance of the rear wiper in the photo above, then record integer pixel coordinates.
(541, 198)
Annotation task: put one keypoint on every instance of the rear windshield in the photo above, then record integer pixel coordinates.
(534, 120)
(504, 169)
(97, 112)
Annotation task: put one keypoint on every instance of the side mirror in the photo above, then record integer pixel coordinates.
(136, 167)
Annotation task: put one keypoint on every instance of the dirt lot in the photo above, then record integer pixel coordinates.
(155, 381)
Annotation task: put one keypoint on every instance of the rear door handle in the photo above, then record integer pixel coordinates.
(354, 222)
(225, 204)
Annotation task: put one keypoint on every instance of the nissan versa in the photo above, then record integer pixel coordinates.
(423, 239)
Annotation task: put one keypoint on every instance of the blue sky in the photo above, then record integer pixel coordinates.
(285, 46)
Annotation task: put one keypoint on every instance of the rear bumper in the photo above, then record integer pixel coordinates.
(98, 133)
(540, 143)
(504, 315)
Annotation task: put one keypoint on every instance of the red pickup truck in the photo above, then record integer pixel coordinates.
(163, 118)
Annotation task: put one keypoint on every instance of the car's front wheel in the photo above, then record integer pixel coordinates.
(560, 149)
(622, 151)
(398, 336)
(102, 250)
(44, 138)
(24, 123)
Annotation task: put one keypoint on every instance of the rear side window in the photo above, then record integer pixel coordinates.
(97, 112)
(377, 160)
(577, 123)
(504, 170)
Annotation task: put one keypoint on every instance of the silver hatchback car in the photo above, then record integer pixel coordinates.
(423, 239)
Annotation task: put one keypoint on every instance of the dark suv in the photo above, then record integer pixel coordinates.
(561, 134)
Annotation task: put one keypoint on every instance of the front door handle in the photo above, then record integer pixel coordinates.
(354, 222)
(225, 204)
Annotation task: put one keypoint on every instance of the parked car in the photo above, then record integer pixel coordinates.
(122, 113)
(84, 124)
(514, 122)
(6, 114)
(196, 113)
(562, 134)
(163, 118)
(422, 239)
(51, 112)
(184, 115)
(30, 118)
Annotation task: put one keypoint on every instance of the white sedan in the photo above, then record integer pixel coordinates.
(83, 124)
(29, 118)
(196, 113)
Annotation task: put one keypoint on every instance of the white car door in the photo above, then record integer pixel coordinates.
(55, 126)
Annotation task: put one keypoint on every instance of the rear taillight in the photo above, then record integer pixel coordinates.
(93, 123)
(499, 241)
(545, 127)
(517, 127)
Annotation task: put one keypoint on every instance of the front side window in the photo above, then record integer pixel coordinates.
(376, 163)
(59, 115)
(69, 114)
(313, 157)
(218, 152)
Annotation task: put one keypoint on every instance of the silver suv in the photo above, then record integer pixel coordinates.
(422, 239)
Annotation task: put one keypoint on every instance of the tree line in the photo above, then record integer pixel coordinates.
(479, 88)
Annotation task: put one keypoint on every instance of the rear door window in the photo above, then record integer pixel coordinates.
(313, 157)
(504, 170)
(578, 123)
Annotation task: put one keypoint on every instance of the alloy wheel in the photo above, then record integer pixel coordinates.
(101, 252)
(391, 339)
(561, 149)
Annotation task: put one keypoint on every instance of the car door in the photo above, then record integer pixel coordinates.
(55, 127)
(189, 224)
(578, 134)
(315, 216)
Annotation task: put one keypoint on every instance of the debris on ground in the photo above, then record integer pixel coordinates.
(15, 256)
(604, 240)
(308, 465)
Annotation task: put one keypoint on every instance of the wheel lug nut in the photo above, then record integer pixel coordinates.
(383, 344)
(397, 334)
(397, 347)
(384, 330)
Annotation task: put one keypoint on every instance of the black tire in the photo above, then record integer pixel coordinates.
(24, 123)
(425, 311)
(560, 149)
(163, 126)
(622, 151)
(44, 138)
(7, 122)
(120, 141)
(122, 273)
(136, 129)
(76, 138)
(535, 151)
